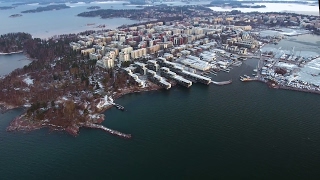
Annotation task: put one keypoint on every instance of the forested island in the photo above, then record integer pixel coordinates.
(94, 7)
(15, 15)
(47, 8)
(159, 12)
(13, 42)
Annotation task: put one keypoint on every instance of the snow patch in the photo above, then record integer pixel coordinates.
(80, 112)
(286, 65)
(104, 102)
(27, 105)
(28, 81)
(95, 116)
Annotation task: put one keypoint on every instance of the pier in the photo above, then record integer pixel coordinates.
(114, 132)
(180, 71)
(153, 77)
(172, 75)
(222, 82)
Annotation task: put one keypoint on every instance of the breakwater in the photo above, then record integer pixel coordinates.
(111, 131)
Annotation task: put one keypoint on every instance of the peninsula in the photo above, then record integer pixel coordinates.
(47, 8)
(75, 77)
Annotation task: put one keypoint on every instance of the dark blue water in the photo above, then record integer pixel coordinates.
(242, 130)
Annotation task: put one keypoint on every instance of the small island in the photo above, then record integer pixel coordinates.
(94, 7)
(15, 15)
(6, 7)
(47, 8)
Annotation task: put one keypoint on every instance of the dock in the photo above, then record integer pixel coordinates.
(118, 106)
(222, 82)
(225, 70)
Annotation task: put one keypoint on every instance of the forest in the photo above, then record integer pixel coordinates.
(58, 73)
(13, 42)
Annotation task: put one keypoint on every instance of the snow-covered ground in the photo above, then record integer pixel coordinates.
(276, 7)
(28, 81)
(284, 31)
(104, 102)
(286, 65)
(280, 52)
(310, 72)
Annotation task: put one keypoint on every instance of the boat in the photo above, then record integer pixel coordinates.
(118, 106)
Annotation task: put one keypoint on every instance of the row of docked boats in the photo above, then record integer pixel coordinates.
(237, 63)
(245, 78)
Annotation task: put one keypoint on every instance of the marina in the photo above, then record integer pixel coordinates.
(237, 63)
(225, 70)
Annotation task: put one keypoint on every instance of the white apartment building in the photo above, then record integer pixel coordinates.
(138, 53)
(123, 56)
(106, 62)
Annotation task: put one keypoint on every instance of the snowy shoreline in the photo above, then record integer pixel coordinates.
(18, 52)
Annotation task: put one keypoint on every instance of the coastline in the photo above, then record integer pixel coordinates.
(4, 107)
(22, 123)
(297, 89)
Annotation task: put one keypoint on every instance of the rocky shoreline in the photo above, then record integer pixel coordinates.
(4, 107)
(23, 123)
